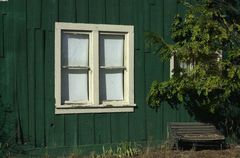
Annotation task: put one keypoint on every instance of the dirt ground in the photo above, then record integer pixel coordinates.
(227, 153)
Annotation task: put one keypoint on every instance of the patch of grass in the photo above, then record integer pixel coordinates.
(123, 150)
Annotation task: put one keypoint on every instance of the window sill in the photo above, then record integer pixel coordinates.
(94, 109)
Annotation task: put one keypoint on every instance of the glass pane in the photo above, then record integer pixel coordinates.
(111, 50)
(75, 49)
(111, 85)
(74, 85)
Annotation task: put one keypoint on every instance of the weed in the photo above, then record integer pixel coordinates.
(123, 150)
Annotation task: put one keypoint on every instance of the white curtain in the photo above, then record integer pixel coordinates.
(111, 55)
(75, 52)
(75, 49)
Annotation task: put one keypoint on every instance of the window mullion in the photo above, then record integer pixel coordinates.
(95, 67)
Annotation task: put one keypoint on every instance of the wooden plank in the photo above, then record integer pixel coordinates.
(97, 11)
(179, 131)
(21, 64)
(137, 120)
(71, 127)
(2, 81)
(86, 129)
(194, 132)
(153, 71)
(170, 10)
(49, 14)
(192, 127)
(139, 42)
(152, 2)
(40, 90)
(156, 18)
(49, 88)
(31, 84)
(102, 128)
(119, 127)
(67, 11)
(184, 116)
(156, 25)
(154, 65)
(1, 36)
(4, 6)
(126, 12)
(146, 15)
(9, 90)
(82, 11)
(59, 131)
(112, 12)
(1, 7)
(4, 122)
(188, 123)
(34, 13)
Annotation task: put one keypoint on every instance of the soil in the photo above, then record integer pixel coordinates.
(227, 153)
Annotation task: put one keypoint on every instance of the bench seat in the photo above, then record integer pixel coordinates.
(195, 133)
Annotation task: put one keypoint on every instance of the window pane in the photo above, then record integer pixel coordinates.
(74, 85)
(111, 84)
(111, 50)
(74, 49)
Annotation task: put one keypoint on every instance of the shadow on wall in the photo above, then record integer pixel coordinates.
(226, 119)
(7, 128)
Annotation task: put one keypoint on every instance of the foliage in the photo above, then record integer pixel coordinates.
(207, 37)
(122, 150)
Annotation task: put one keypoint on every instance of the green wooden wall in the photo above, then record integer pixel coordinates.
(27, 71)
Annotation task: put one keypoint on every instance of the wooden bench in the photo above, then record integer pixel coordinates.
(195, 133)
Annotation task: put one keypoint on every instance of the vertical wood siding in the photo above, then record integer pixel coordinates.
(27, 70)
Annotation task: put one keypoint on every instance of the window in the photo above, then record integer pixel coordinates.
(174, 63)
(94, 68)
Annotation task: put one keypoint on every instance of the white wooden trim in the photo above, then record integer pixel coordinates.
(114, 104)
(57, 66)
(131, 67)
(113, 33)
(95, 110)
(76, 102)
(77, 32)
(94, 27)
(171, 66)
(112, 67)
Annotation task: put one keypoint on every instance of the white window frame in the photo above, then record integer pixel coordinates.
(191, 65)
(172, 65)
(94, 105)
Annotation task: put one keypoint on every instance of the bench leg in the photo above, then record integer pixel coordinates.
(194, 146)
